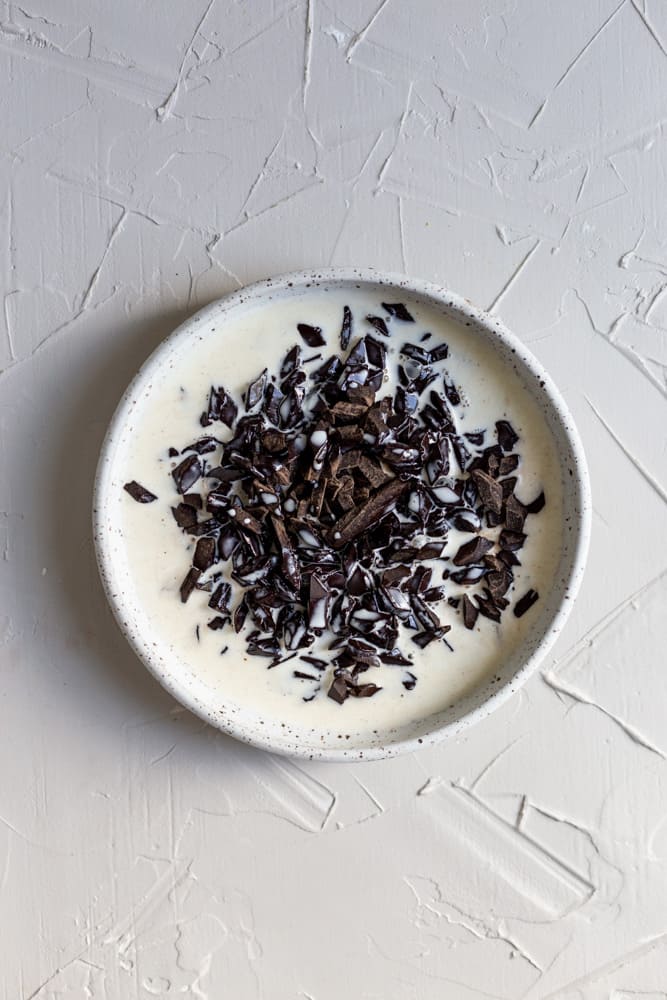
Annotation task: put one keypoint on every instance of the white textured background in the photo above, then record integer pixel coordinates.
(156, 154)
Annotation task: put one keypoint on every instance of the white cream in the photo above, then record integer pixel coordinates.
(232, 353)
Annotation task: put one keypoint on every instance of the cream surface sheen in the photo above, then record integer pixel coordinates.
(231, 352)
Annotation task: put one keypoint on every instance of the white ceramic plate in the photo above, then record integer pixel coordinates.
(192, 690)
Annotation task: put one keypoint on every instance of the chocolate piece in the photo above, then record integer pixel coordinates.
(379, 324)
(525, 603)
(311, 334)
(508, 463)
(352, 524)
(490, 491)
(398, 311)
(189, 583)
(338, 690)
(472, 551)
(217, 623)
(409, 682)
(185, 516)
(187, 473)
(438, 353)
(255, 391)
(423, 639)
(512, 540)
(470, 612)
(515, 514)
(203, 445)
(204, 556)
(139, 492)
(220, 598)
(507, 436)
(488, 608)
(221, 407)
(364, 690)
(536, 505)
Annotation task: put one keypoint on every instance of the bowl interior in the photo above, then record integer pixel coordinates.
(209, 700)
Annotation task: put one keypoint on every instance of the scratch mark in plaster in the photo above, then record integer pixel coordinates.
(401, 123)
(266, 27)
(572, 692)
(56, 972)
(513, 277)
(521, 816)
(480, 929)
(117, 228)
(31, 45)
(163, 756)
(307, 52)
(401, 232)
(641, 468)
(573, 63)
(163, 111)
(643, 14)
(260, 176)
(275, 204)
(376, 802)
(645, 948)
(494, 760)
(360, 35)
(431, 785)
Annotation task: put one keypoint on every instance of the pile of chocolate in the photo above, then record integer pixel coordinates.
(330, 504)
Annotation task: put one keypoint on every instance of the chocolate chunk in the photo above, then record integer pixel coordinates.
(311, 334)
(217, 623)
(507, 436)
(300, 675)
(189, 583)
(255, 391)
(515, 514)
(204, 556)
(423, 639)
(221, 407)
(398, 311)
(173, 452)
(185, 516)
(314, 661)
(346, 328)
(338, 690)
(536, 505)
(490, 491)
(470, 612)
(187, 473)
(139, 492)
(438, 353)
(203, 445)
(512, 540)
(409, 681)
(221, 597)
(379, 324)
(472, 551)
(357, 521)
(525, 603)
(507, 464)
(416, 353)
(488, 608)
(364, 690)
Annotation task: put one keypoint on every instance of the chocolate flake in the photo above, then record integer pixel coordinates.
(189, 583)
(311, 334)
(472, 551)
(398, 311)
(187, 473)
(507, 436)
(346, 328)
(525, 603)
(139, 492)
(470, 612)
(379, 324)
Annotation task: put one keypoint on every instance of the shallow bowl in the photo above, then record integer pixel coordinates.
(509, 675)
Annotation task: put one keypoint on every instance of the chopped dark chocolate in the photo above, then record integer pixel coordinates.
(489, 489)
(311, 334)
(472, 551)
(398, 311)
(470, 612)
(379, 324)
(536, 505)
(187, 473)
(189, 583)
(525, 603)
(331, 502)
(139, 492)
(507, 436)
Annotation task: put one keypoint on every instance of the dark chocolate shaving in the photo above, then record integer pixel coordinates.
(525, 603)
(507, 436)
(346, 328)
(311, 334)
(398, 311)
(139, 492)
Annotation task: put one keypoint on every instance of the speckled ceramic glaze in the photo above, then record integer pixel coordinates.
(189, 689)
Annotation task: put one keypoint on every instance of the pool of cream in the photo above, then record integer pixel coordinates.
(156, 555)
